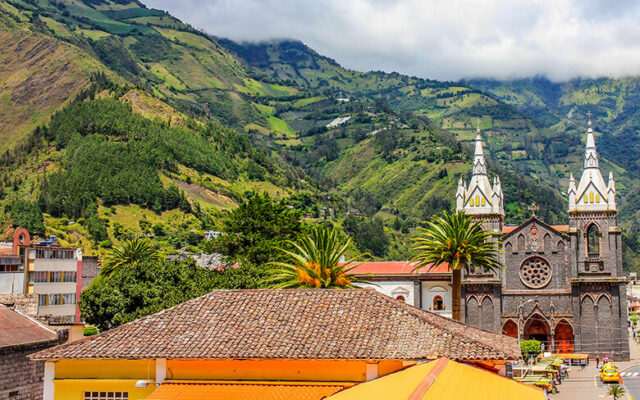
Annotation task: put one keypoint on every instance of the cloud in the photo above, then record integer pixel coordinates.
(440, 39)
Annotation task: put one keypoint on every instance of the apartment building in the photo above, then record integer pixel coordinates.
(52, 272)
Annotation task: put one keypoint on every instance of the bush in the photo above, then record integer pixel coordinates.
(90, 330)
(530, 348)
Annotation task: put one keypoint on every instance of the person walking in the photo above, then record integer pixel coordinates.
(597, 362)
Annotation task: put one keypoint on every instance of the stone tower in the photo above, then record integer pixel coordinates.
(597, 277)
(481, 199)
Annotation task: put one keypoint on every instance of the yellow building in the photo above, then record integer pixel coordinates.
(295, 344)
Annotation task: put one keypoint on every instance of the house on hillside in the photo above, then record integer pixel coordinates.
(279, 343)
(20, 336)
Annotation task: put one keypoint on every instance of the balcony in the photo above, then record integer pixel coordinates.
(594, 257)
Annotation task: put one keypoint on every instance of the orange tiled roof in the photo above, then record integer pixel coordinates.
(302, 324)
(16, 329)
(395, 268)
(244, 391)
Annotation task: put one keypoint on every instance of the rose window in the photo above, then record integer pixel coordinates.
(535, 272)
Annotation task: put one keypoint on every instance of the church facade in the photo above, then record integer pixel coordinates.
(561, 284)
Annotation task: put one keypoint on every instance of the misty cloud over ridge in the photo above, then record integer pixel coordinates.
(449, 40)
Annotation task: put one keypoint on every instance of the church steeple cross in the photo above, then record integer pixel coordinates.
(533, 208)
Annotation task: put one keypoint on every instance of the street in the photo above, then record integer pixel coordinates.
(631, 378)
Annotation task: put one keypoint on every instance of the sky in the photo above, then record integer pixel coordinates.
(439, 39)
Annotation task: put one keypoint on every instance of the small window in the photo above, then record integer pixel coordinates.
(69, 298)
(70, 276)
(55, 276)
(42, 300)
(593, 240)
(39, 276)
(471, 203)
(438, 303)
(401, 298)
(106, 396)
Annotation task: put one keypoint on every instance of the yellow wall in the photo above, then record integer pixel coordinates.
(74, 377)
(73, 389)
(292, 370)
(106, 369)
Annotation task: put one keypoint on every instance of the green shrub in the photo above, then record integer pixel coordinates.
(530, 347)
(90, 330)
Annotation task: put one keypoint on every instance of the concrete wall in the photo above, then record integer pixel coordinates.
(12, 282)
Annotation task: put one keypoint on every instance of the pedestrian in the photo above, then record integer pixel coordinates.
(605, 359)
(597, 361)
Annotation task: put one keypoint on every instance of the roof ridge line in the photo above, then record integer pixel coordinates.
(429, 380)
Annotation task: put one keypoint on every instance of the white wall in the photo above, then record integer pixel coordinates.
(12, 282)
(433, 289)
(395, 288)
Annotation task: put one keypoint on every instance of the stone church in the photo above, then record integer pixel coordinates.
(561, 284)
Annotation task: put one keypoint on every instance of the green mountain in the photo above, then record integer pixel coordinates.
(120, 119)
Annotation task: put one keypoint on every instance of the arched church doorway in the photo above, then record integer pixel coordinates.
(564, 338)
(510, 329)
(537, 328)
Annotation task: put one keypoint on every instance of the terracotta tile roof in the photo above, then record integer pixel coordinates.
(17, 329)
(244, 391)
(395, 268)
(291, 324)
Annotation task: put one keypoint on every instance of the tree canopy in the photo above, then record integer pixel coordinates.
(135, 290)
(257, 228)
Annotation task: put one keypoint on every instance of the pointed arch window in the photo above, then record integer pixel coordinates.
(593, 241)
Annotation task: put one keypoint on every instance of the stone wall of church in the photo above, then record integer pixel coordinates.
(536, 258)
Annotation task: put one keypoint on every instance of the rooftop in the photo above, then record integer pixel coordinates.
(438, 380)
(292, 324)
(17, 329)
(244, 390)
(396, 268)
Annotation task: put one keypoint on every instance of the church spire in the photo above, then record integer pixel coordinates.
(592, 194)
(481, 198)
(591, 155)
(479, 163)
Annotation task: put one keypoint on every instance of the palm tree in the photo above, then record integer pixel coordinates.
(616, 391)
(129, 251)
(315, 263)
(456, 240)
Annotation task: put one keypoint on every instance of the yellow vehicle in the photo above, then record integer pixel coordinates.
(609, 373)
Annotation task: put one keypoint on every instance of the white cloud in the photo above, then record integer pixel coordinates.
(441, 39)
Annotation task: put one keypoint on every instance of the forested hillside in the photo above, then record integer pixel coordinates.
(122, 120)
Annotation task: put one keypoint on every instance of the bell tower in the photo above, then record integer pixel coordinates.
(598, 284)
(592, 216)
(481, 199)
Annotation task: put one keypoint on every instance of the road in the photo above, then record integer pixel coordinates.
(631, 380)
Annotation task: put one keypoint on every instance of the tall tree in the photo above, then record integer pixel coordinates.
(316, 263)
(455, 240)
(255, 230)
(128, 252)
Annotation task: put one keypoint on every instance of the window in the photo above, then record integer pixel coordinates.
(106, 396)
(401, 298)
(55, 276)
(54, 253)
(39, 276)
(70, 276)
(55, 299)
(42, 300)
(593, 240)
(438, 304)
(9, 268)
(69, 298)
